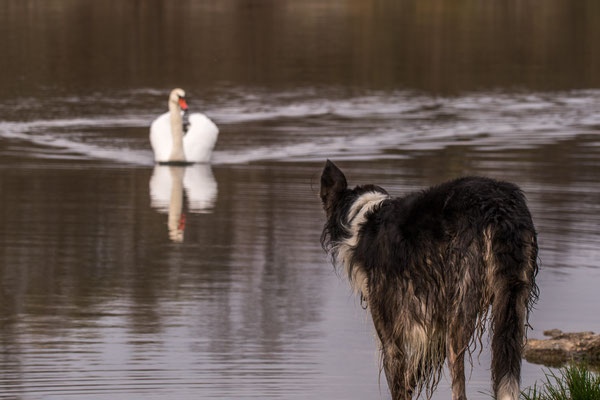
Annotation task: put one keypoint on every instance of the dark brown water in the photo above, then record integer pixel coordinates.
(123, 280)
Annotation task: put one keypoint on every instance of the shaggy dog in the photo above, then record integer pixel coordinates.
(429, 266)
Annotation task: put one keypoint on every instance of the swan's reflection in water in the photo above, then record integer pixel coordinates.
(167, 186)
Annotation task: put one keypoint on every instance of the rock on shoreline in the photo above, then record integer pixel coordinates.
(563, 347)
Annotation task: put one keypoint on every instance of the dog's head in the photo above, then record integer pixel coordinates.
(337, 200)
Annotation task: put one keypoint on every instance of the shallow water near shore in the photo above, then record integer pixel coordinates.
(125, 280)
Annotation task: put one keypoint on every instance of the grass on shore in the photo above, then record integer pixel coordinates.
(574, 382)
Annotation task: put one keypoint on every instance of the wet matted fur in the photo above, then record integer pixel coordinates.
(429, 266)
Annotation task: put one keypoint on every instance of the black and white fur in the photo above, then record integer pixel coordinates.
(430, 265)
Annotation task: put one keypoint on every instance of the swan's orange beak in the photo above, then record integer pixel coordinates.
(183, 104)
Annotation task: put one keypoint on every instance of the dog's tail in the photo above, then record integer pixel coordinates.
(514, 290)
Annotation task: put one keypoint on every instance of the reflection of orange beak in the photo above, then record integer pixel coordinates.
(183, 104)
(181, 226)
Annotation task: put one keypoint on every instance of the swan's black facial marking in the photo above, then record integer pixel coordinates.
(186, 121)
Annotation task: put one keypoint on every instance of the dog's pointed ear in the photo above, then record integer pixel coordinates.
(333, 182)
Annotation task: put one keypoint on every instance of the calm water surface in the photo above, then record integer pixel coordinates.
(120, 279)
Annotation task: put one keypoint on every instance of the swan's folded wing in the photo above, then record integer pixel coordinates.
(200, 138)
(160, 137)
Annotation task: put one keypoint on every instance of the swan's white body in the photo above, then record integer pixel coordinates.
(167, 138)
(198, 142)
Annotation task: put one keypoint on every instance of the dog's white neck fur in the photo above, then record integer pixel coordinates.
(356, 217)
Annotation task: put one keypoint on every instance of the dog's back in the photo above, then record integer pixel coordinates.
(430, 265)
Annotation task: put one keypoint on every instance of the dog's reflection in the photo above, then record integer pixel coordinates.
(167, 187)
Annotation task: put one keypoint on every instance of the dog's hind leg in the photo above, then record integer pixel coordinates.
(457, 341)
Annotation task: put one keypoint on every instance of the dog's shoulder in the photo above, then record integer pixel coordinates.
(431, 208)
(471, 190)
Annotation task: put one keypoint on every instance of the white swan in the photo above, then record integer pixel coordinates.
(167, 138)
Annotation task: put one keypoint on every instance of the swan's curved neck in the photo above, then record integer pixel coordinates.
(177, 154)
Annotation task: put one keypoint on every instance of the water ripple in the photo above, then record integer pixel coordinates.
(303, 126)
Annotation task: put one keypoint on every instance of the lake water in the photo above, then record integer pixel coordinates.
(120, 279)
